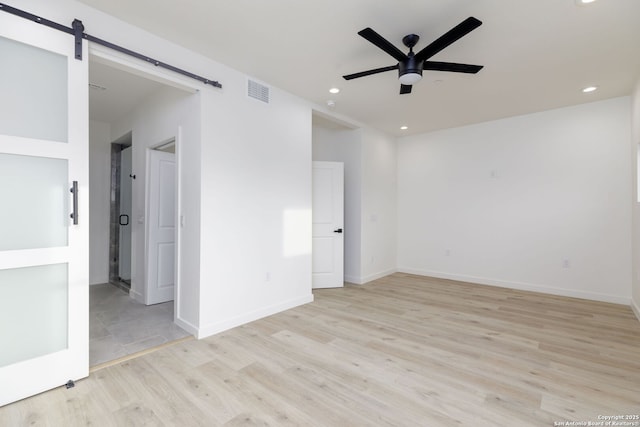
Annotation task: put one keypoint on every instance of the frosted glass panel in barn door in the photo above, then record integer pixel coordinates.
(44, 318)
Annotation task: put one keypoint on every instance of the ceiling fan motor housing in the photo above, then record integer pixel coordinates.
(411, 65)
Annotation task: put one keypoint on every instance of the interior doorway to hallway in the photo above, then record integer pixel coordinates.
(120, 322)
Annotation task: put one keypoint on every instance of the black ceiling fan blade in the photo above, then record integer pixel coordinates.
(450, 37)
(452, 67)
(404, 89)
(383, 44)
(370, 72)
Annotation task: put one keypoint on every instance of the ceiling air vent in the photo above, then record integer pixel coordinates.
(258, 91)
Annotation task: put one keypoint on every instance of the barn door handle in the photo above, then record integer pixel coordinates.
(126, 218)
(74, 212)
(338, 230)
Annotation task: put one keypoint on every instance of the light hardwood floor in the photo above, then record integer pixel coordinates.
(401, 351)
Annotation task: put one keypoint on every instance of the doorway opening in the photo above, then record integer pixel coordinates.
(120, 212)
(131, 114)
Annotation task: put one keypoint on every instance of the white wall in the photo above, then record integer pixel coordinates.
(379, 196)
(256, 207)
(344, 145)
(507, 202)
(635, 152)
(248, 179)
(99, 206)
(370, 197)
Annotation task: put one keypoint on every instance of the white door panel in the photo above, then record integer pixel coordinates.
(323, 203)
(161, 230)
(44, 265)
(166, 259)
(323, 259)
(328, 217)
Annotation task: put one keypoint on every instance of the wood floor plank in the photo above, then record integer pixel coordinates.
(403, 350)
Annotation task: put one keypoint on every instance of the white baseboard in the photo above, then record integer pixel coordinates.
(636, 309)
(187, 326)
(136, 295)
(353, 279)
(595, 296)
(378, 275)
(214, 328)
(369, 278)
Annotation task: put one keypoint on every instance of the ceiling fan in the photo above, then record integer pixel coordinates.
(410, 65)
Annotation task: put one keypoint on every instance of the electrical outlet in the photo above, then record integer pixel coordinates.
(566, 263)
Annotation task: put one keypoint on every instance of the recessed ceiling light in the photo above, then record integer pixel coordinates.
(334, 90)
(404, 127)
(589, 89)
(583, 2)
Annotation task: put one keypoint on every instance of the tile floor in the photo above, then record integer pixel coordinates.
(119, 325)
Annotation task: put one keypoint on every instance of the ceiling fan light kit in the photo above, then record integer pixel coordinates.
(411, 65)
(410, 70)
(410, 78)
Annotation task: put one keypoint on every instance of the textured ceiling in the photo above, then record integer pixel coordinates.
(537, 54)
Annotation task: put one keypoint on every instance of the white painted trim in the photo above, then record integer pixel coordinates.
(635, 308)
(136, 295)
(187, 326)
(214, 328)
(520, 286)
(378, 275)
(353, 279)
(369, 278)
(177, 282)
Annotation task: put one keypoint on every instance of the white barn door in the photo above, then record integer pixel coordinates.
(328, 225)
(44, 261)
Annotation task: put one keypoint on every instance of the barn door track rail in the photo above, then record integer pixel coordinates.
(77, 31)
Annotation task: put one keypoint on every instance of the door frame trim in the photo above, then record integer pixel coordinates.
(124, 63)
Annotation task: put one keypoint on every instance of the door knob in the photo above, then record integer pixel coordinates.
(338, 230)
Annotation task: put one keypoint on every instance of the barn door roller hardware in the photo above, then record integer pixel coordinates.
(77, 31)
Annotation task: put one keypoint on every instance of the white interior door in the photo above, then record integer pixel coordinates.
(161, 230)
(328, 224)
(124, 219)
(44, 265)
